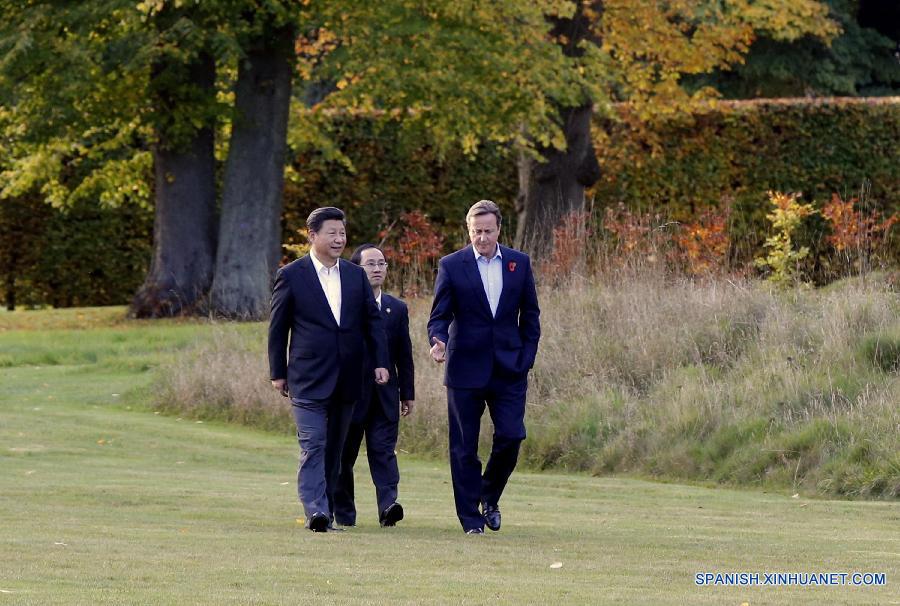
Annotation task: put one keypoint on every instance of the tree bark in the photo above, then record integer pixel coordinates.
(184, 227)
(250, 230)
(554, 187)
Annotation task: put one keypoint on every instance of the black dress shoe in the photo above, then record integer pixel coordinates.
(391, 515)
(318, 522)
(491, 515)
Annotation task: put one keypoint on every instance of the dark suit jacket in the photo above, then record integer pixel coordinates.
(400, 364)
(322, 359)
(461, 317)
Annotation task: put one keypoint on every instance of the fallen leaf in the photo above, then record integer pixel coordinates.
(115, 395)
(63, 544)
(285, 483)
(101, 442)
(795, 496)
(556, 565)
(198, 422)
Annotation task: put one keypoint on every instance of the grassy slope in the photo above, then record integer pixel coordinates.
(103, 504)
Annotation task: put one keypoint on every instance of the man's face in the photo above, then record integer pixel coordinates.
(329, 241)
(483, 232)
(373, 262)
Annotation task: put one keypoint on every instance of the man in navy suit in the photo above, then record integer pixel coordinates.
(325, 317)
(377, 413)
(485, 324)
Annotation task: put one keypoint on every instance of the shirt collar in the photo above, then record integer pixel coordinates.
(378, 299)
(320, 266)
(478, 255)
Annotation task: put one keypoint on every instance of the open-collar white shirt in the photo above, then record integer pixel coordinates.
(491, 270)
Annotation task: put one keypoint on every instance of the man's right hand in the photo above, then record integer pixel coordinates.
(281, 386)
(438, 350)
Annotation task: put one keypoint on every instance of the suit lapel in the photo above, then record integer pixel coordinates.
(315, 287)
(345, 290)
(506, 293)
(470, 268)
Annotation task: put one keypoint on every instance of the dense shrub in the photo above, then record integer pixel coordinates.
(86, 255)
(737, 151)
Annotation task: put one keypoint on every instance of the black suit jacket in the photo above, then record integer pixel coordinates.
(318, 358)
(400, 364)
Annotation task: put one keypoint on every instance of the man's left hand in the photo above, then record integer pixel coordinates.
(406, 407)
(382, 375)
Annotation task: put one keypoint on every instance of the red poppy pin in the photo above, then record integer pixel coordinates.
(512, 266)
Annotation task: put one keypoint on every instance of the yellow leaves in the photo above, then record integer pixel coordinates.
(786, 216)
(469, 143)
(654, 42)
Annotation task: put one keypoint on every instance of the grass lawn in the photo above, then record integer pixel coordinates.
(103, 501)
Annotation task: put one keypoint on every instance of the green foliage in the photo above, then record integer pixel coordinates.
(858, 61)
(86, 255)
(737, 151)
(883, 351)
(385, 171)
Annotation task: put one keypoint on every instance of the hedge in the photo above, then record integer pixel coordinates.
(734, 151)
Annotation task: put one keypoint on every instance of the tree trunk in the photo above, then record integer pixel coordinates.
(551, 189)
(184, 228)
(250, 230)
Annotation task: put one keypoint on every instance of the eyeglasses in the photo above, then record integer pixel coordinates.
(373, 265)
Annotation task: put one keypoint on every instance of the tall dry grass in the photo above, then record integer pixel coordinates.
(642, 371)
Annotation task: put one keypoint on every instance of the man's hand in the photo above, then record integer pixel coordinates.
(382, 375)
(406, 407)
(281, 386)
(438, 350)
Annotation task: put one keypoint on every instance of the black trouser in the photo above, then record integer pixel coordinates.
(380, 433)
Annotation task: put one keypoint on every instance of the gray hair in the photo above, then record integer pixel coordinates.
(484, 207)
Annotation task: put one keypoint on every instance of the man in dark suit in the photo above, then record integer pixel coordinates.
(377, 413)
(485, 323)
(325, 317)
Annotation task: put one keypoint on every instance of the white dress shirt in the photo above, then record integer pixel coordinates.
(491, 270)
(330, 279)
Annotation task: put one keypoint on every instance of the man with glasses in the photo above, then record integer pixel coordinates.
(377, 413)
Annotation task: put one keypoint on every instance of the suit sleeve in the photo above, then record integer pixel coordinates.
(279, 326)
(529, 320)
(404, 359)
(376, 338)
(442, 307)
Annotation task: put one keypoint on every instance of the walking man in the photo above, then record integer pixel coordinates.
(485, 325)
(377, 412)
(323, 318)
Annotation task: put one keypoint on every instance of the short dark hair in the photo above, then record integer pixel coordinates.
(356, 257)
(317, 217)
(483, 207)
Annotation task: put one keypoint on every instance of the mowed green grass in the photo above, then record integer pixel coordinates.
(103, 501)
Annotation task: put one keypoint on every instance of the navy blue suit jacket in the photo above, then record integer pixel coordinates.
(477, 342)
(400, 364)
(318, 358)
